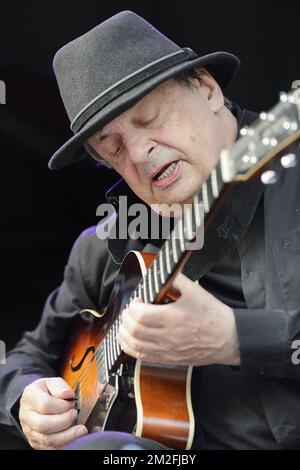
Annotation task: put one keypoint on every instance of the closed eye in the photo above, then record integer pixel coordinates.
(117, 151)
(146, 121)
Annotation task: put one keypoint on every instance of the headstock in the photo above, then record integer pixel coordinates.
(264, 141)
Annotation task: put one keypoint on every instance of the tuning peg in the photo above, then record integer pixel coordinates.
(288, 125)
(283, 97)
(269, 177)
(288, 161)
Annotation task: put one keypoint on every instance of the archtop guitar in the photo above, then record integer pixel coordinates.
(115, 391)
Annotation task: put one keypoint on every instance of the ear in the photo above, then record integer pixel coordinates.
(211, 90)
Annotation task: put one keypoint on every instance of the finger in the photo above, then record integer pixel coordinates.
(57, 440)
(186, 285)
(38, 399)
(140, 331)
(134, 347)
(48, 424)
(152, 316)
(59, 388)
(161, 353)
(183, 283)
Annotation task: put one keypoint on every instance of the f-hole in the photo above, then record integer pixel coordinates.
(90, 349)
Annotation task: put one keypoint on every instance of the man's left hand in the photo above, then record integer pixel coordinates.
(195, 330)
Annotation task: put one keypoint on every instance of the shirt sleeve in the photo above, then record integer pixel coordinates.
(269, 342)
(38, 352)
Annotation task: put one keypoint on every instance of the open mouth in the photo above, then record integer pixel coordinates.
(166, 174)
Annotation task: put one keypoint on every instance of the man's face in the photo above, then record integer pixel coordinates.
(166, 145)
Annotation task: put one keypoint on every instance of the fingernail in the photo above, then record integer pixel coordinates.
(74, 414)
(80, 431)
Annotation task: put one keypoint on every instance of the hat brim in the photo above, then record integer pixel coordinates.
(222, 65)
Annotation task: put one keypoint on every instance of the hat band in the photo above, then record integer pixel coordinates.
(129, 82)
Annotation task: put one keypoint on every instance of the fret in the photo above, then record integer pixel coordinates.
(119, 349)
(181, 234)
(214, 183)
(189, 233)
(111, 334)
(205, 197)
(157, 264)
(167, 256)
(141, 290)
(110, 347)
(107, 351)
(196, 211)
(174, 249)
(112, 351)
(111, 359)
(105, 359)
(162, 274)
(145, 299)
(155, 276)
(150, 286)
(219, 177)
(115, 341)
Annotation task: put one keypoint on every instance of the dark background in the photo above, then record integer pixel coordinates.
(42, 212)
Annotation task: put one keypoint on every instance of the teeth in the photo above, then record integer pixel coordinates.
(167, 172)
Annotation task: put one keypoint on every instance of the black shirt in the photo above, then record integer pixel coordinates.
(265, 335)
(231, 414)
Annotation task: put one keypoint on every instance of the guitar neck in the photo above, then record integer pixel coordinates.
(171, 258)
(259, 145)
(176, 250)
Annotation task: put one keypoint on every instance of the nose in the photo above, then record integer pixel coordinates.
(139, 149)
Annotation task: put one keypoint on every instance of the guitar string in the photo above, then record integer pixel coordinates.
(96, 352)
(84, 373)
(83, 376)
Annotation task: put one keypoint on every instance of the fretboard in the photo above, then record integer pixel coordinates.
(174, 253)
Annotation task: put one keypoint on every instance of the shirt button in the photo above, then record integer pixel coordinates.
(261, 371)
(251, 271)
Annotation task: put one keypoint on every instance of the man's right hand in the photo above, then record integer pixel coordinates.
(47, 414)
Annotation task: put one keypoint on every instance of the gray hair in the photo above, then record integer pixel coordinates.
(186, 79)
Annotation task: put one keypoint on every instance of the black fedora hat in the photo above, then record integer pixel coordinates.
(107, 70)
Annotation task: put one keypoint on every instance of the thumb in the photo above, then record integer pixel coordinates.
(59, 388)
(182, 283)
